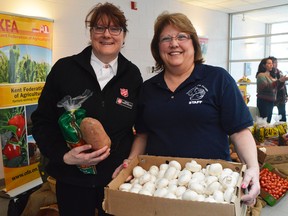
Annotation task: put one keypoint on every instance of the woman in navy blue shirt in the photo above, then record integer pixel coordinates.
(191, 109)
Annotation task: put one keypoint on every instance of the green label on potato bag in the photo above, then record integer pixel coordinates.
(69, 123)
(88, 169)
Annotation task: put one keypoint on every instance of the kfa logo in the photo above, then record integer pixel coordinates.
(7, 25)
(196, 94)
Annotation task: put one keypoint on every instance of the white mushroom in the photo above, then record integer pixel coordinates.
(170, 195)
(125, 187)
(134, 181)
(229, 181)
(172, 188)
(170, 173)
(193, 166)
(185, 172)
(218, 196)
(212, 187)
(190, 195)
(161, 183)
(210, 179)
(154, 170)
(201, 197)
(150, 186)
(197, 187)
(173, 182)
(210, 199)
(135, 190)
(137, 185)
(146, 177)
(160, 192)
(180, 190)
(145, 192)
(161, 173)
(227, 170)
(215, 169)
(175, 164)
(164, 166)
(199, 176)
(228, 194)
(138, 171)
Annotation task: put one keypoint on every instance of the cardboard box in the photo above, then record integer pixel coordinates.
(272, 154)
(130, 204)
(271, 200)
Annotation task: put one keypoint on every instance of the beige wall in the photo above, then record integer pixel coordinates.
(70, 35)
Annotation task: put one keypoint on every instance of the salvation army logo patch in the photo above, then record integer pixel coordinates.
(124, 92)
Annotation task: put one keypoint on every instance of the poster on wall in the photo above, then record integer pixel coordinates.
(25, 61)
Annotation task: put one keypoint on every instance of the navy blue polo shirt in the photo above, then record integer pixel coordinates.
(194, 120)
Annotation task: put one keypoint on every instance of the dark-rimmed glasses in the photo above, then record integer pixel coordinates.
(113, 30)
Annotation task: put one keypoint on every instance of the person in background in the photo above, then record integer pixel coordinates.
(190, 109)
(78, 193)
(281, 97)
(267, 88)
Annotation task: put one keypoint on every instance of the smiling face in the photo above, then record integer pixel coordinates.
(106, 47)
(177, 53)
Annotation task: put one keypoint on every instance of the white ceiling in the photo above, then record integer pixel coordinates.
(272, 10)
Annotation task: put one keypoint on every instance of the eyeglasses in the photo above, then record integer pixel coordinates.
(181, 37)
(113, 30)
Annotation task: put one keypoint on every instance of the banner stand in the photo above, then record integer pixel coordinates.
(21, 189)
(26, 60)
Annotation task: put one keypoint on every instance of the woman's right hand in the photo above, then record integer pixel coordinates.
(79, 155)
(124, 165)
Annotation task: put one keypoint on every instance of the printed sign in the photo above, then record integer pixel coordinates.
(25, 61)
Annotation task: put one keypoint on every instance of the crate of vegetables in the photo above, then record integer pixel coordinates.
(165, 186)
(274, 185)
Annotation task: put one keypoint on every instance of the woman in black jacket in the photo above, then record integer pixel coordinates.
(115, 83)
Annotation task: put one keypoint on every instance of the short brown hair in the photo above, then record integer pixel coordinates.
(113, 13)
(180, 21)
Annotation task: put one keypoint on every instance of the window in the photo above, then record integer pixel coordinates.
(253, 36)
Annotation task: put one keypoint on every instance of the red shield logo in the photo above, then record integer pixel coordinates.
(124, 92)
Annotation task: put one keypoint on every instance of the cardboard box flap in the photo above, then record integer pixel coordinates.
(275, 150)
(142, 205)
(272, 154)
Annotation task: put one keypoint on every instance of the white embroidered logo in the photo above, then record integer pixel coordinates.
(196, 94)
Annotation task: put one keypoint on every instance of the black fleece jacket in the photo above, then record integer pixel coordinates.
(72, 76)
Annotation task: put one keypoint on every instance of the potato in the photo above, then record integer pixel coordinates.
(93, 133)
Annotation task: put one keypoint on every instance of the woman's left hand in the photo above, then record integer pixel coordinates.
(283, 78)
(251, 184)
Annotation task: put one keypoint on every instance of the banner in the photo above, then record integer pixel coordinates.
(25, 61)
